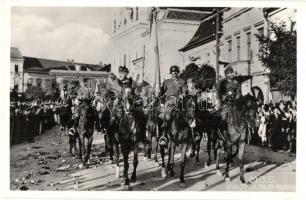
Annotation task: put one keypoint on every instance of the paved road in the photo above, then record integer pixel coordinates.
(46, 165)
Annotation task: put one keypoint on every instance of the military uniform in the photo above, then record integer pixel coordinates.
(229, 93)
(174, 87)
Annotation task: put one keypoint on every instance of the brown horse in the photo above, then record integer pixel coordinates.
(85, 130)
(233, 132)
(177, 130)
(129, 130)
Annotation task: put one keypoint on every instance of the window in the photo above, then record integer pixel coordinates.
(229, 44)
(136, 13)
(114, 26)
(249, 47)
(16, 68)
(238, 48)
(38, 82)
(260, 33)
(30, 81)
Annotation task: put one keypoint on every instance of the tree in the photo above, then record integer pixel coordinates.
(204, 76)
(278, 54)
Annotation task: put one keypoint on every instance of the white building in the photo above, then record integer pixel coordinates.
(131, 38)
(16, 70)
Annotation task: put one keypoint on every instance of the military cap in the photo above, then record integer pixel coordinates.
(174, 68)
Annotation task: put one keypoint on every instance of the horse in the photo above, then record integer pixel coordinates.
(103, 125)
(129, 130)
(85, 130)
(65, 114)
(153, 125)
(232, 133)
(177, 130)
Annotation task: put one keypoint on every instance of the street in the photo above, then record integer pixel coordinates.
(47, 165)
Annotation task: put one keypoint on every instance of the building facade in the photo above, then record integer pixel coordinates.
(16, 70)
(131, 39)
(30, 71)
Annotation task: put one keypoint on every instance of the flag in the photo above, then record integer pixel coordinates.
(155, 51)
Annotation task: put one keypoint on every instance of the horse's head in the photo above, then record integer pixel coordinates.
(87, 118)
(190, 107)
(249, 102)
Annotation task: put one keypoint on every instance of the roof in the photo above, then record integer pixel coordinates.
(205, 33)
(188, 13)
(45, 65)
(15, 53)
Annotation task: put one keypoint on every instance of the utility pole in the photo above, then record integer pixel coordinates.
(217, 47)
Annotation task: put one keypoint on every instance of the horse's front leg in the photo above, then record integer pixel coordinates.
(155, 147)
(162, 154)
(183, 153)
(218, 146)
(80, 146)
(240, 157)
(171, 159)
(88, 151)
(198, 152)
(209, 142)
(228, 149)
(125, 149)
(135, 162)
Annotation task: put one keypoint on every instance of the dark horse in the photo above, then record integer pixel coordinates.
(233, 132)
(153, 125)
(177, 130)
(129, 130)
(85, 130)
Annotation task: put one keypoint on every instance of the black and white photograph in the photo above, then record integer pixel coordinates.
(153, 98)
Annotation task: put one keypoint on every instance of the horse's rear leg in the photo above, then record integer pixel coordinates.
(80, 147)
(135, 163)
(116, 160)
(240, 157)
(183, 153)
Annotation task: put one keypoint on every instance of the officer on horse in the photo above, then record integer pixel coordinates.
(229, 92)
(172, 90)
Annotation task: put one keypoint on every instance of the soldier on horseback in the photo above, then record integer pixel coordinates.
(229, 92)
(172, 90)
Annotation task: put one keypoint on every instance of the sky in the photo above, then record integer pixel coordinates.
(61, 33)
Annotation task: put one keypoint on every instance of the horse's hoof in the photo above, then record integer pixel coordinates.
(198, 163)
(163, 173)
(133, 179)
(127, 188)
(80, 166)
(207, 164)
(227, 179)
(117, 174)
(242, 180)
(183, 185)
(156, 164)
(171, 173)
(218, 172)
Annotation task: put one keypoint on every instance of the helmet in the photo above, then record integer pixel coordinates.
(123, 69)
(174, 68)
(228, 70)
